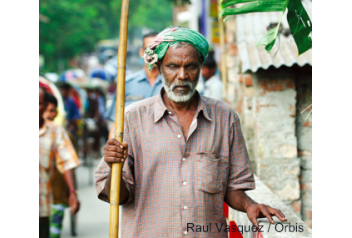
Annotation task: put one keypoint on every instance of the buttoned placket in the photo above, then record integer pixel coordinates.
(183, 142)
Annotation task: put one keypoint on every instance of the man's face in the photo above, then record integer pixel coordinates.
(180, 70)
(147, 41)
(64, 92)
(207, 72)
(50, 112)
(42, 103)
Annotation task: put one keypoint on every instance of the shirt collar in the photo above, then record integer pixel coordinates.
(44, 129)
(160, 108)
(211, 80)
(143, 76)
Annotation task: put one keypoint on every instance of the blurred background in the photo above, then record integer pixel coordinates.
(78, 45)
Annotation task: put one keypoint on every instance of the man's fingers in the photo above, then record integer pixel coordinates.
(113, 148)
(125, 145)
(266, 213)
(114, 154)
(277, 213)
(254, 221)
(113, 141)
(73, 209)
(113, 160)
(283, 215)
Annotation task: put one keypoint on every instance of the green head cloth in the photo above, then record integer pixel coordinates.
(170, 36)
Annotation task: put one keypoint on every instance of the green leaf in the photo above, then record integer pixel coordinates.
(224, 4)
(268, 39)
(300, 25)
(254, 6)
(297, 17)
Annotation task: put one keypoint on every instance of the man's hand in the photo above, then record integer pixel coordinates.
(255, 211)
(115, 152)
(240, 201)
(73, 203)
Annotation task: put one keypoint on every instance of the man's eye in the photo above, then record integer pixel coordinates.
(191, 67)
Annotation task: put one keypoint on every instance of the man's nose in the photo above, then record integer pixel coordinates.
(182, 75)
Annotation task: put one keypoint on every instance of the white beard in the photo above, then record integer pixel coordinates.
(173, 96)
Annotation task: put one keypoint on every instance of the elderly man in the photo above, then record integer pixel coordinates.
(184, 153)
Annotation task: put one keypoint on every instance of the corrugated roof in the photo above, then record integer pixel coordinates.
(251, 27)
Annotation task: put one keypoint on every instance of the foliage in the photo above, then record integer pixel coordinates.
(180, 2)
(156, 14)
(75, 26)
(297, 17)
(72, 29)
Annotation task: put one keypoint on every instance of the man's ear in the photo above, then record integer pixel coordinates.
(158, 65)
(141, 51)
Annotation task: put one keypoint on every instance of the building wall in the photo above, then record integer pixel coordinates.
(278, 137)
(275, 141)
(304, 140)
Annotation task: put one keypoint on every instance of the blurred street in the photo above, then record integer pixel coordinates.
(93, 217)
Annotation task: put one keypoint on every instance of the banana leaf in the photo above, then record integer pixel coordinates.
(297, 17)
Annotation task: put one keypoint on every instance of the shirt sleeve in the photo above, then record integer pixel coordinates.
(240, 173)
(65, 155)
(110, 112)
(103, 171)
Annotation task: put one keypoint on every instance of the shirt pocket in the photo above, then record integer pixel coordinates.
(208, 173)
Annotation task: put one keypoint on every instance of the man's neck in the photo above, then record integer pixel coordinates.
(206, 79)
(152, 75)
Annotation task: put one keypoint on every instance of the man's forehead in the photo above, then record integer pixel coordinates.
(184, 52)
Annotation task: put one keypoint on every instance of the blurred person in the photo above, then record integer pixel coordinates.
(55, 150)
(60, 189)
(182, 154)
(51, 108)
(71, 108)
(102, 123)
(140, 85)
(93, 61)
(212, 81)
(92, 113)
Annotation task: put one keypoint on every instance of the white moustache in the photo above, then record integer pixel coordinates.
(181, 84)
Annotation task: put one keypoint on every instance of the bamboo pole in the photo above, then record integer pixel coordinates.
(223, 54)
(116, 169)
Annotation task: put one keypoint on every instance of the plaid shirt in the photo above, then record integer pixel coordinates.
(54, 148)
(173, 180)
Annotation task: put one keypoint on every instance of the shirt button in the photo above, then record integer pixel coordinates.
(185, 207)
(184, 183)
(185, 232)
(183, 159)
(179, 136)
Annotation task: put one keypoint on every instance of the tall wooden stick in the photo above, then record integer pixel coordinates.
(116, 169)
(223, 54)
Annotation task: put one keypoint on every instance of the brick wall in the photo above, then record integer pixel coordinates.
(275, 143)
